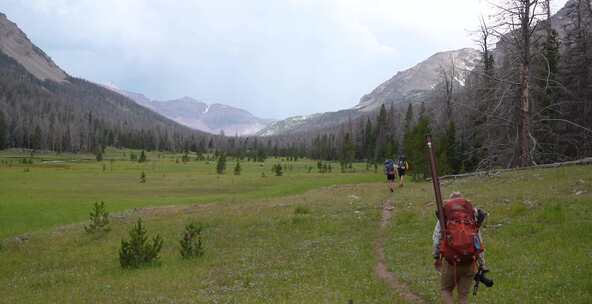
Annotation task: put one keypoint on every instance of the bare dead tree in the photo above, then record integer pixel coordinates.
(516, 24)
(448, 75)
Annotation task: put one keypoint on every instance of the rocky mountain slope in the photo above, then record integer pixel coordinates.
(15, 44)
(411, 85)
(41, 107)
(212, 118)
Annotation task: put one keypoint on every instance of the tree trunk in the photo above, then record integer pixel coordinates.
(524, 123)
(524, 116)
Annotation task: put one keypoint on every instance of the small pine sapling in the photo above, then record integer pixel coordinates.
(138, 250)
(221, 164)
(142, 157)
(185, 157)
(99, 156)
(237, 168)
(278, 170)
(191, 243)
(98, 218)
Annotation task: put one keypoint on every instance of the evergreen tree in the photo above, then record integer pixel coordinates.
(221, 164)
(237, 168)
(260, 156)
(447, 152)
(369, 140)
(277, 169)
(139, 250)
(415, 147)
(142, 157)
(348, 151)
(546, 96)
(36, 139)
(98, 218)
(392, 147)
(381, 133)
(185, 157)
(191, 243)
(3, 131)
(408, 118)
(99, 156)
(453, 157)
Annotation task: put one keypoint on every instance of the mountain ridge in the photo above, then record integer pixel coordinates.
(409, 85)
(43, 108)
(16, 44)
(215, 118)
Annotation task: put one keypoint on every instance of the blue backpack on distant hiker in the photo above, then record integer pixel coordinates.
(389, 166)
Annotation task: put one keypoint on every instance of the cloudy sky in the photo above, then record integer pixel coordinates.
(275, 58)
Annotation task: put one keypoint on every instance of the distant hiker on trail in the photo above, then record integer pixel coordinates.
(459, 256)
(389, 170)
(402, 167)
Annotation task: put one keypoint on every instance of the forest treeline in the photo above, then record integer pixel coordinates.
(527, 102)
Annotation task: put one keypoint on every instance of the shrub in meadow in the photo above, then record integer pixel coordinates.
(138, 250)
(99, 219)
(191, 243)
(185, 157)
(221, 164)
(142, 157)
(277, 169)
(237, 168)
(99, 156)
(301, 210)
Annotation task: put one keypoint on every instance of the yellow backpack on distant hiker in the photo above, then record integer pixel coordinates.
(403, 164)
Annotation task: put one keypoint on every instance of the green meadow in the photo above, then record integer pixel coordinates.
(60, 189)
(304, 237)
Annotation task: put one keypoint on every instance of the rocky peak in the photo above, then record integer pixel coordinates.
(422, 77)
(15, 44)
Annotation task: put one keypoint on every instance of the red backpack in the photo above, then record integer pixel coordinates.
(461, 241)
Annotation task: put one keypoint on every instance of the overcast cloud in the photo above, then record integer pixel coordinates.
(274, 58)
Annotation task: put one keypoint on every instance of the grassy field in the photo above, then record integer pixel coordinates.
(259, 249)
(538, 235)
(60, 189)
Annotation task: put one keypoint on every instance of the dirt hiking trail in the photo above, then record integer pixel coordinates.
(381, 268)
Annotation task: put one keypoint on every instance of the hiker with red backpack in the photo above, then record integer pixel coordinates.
(458, 245)
(459, 254)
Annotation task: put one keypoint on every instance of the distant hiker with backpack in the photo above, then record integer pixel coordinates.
(459, 253)
(389, 170)
(402, 167)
